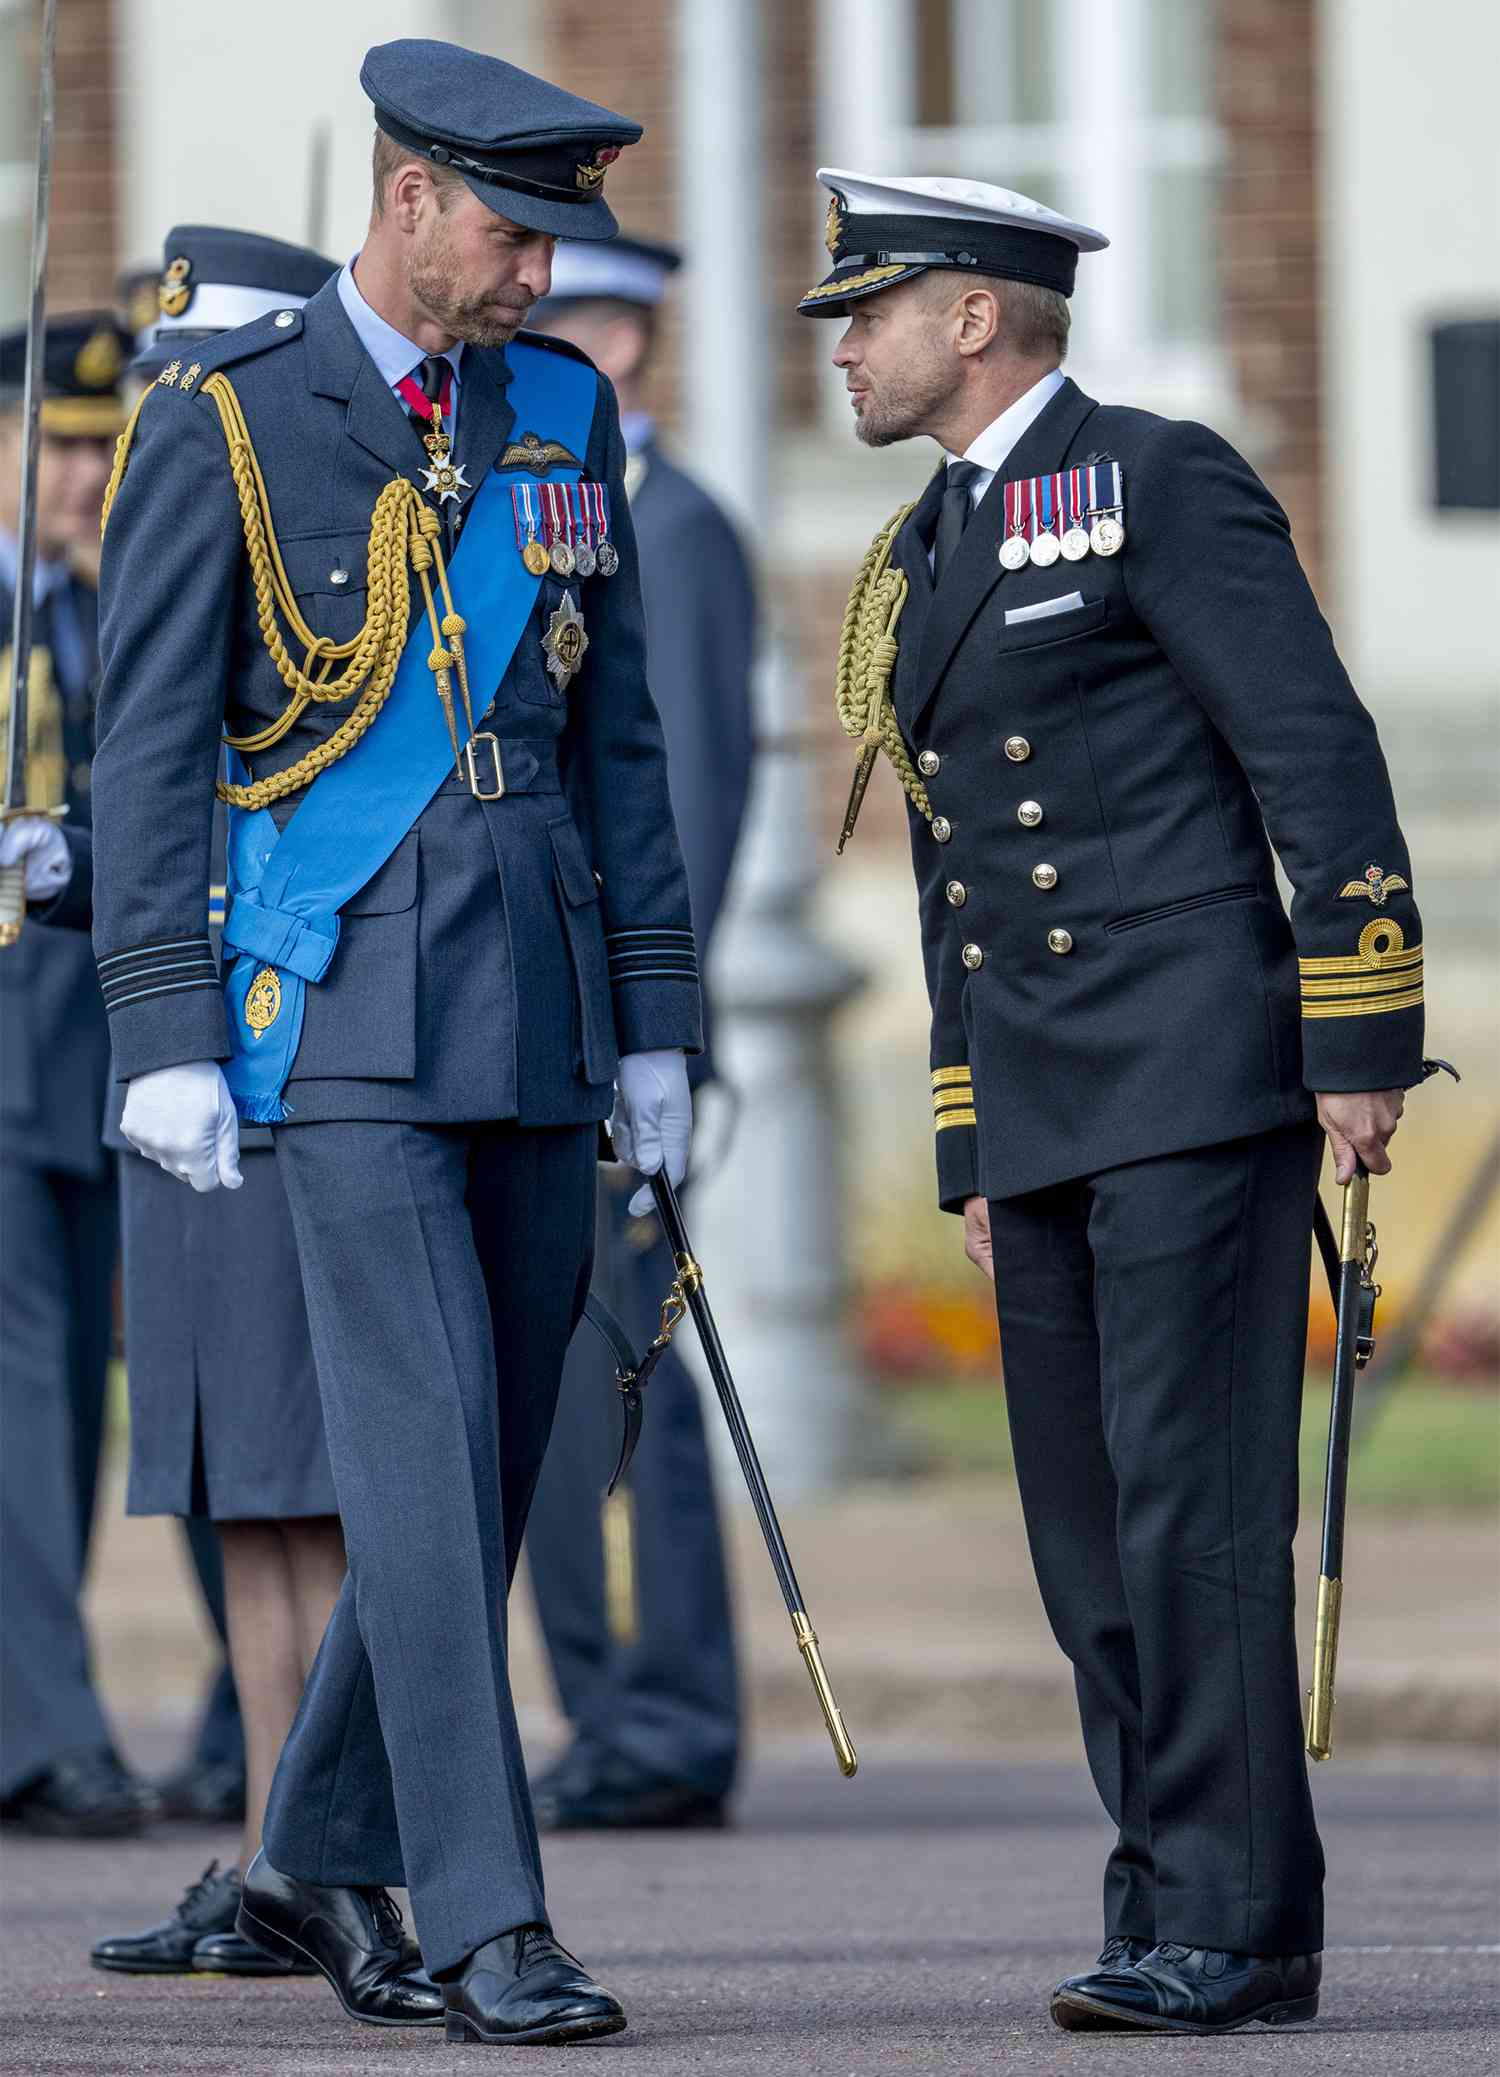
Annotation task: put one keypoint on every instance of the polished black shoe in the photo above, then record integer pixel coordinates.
(354, 1937)
(209, 1906)
(1118, 1952)
(199, 1795)
(524, 1988)
(573, 1805)
(84, 1795)
(231, 1954)
(1191, 1990)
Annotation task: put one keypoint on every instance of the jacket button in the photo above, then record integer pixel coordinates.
(942, 829)
(973, 958)
(1044, 876)
(338, 576)
(1017, 749)
(1059, 941)
(929, 763)
(1029, 814)
(957, 893)
(284, 318)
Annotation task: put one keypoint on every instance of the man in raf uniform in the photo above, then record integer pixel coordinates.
(634, 1600)
(59, 1772)
(383, 545)
(1113, 695)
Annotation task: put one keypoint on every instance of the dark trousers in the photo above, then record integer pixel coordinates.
(219, 1740)
(1153, 1322)
(59, 1235)
(444, 1269)
(655, 1697)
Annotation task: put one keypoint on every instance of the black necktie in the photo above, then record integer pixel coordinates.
(953, 516)
(429, 377)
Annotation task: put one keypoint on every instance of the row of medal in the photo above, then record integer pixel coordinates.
(564, 528)
(1063, 515)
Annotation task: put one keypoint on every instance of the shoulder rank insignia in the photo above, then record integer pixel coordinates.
(1375, 886)
(534, 453)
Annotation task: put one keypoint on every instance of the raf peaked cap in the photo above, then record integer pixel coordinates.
(84, 355)
(213, 279)
(883, 229)
(530, 151)
(627, 270)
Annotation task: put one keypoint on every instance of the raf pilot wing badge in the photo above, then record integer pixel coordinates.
(532, 452)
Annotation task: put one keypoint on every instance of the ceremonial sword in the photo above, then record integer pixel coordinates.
(14, 804)
(686, 1296)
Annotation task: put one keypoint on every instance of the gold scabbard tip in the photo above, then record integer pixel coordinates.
(1325, 1665)
(843, 1744)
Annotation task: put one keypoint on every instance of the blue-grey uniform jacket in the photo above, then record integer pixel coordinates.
(54, 1039)
(507, 954)
(1111, 970)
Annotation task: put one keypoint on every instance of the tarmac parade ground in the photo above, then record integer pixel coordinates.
(912, 1920)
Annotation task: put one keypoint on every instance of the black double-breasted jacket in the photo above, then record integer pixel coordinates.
(1111, 970)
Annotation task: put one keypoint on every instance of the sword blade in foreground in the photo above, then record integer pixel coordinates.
(1354, 1343)
(13, 877)
(690, 1279)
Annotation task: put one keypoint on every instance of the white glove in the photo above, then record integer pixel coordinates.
(36, 842)
(183, 1118)
(652, 1121)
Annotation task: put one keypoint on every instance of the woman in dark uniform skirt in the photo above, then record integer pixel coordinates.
(226, 1425)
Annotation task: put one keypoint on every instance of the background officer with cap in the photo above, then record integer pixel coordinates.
(634, 1600)
(1113, 694)
(456, 1024)
(59, 1772)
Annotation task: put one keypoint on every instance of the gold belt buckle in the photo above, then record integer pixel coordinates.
(485, 736)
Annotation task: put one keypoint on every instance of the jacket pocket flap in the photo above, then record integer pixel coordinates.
(331, 564)
(573, 873)
(393, 888)
(1053, 627)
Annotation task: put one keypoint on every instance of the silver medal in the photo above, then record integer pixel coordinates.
(1107, 535)
(1045, 550)
(1014, 553)
(1075, 544)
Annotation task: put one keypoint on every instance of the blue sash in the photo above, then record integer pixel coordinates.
(286, 888)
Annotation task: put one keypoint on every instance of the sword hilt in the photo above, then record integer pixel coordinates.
(833, 1716)
(12, 902)
(1325, 1666)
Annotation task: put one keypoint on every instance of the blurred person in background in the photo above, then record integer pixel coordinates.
(59, 1770)
(508, 913)
(633, 1595)
(1112, 693)
(224, 1433)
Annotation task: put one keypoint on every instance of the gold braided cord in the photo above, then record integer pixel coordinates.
(867, 656)
(854, 281)
(122, 456)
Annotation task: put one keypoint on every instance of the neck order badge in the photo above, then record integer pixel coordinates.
(287, 887)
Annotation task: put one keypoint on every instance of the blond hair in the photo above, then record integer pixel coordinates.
(389, 157)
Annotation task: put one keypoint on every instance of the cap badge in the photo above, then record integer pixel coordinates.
(833, 226)
(590, 176)
(99, 361)
(1374, 887)
(174, 295)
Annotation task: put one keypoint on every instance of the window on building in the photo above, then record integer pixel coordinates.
(17, 155)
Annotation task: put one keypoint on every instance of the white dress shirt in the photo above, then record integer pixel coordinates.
(392, 352)
(992, 448)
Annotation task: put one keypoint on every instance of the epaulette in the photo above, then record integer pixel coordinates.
(206, 357)
(555, 346)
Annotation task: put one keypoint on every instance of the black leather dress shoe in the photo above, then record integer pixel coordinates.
(572, 1805)
(207, 1907)
(231, 1954)
(205, 1795)
(524, 1988)
(1118, 1952)
(354, 1937)
(1192, 1990)
(84, 1795)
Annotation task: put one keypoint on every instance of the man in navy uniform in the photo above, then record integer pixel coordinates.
(59, 1772)
(460, 932)
(634, 1599)
(1113, 694)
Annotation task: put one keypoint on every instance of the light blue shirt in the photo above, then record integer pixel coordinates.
(391, 351)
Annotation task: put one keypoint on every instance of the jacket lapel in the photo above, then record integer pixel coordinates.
(485, 417)
(910, 556)
(338, 366)
(976, 568)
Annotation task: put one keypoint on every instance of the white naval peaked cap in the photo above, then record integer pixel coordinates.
(884, 228)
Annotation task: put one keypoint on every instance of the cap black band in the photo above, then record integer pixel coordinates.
(1002, 249)
(497, 176)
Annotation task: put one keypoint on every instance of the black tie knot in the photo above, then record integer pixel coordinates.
(431, 376)
(954, 514)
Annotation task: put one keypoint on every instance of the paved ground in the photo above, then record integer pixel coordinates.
(910, 1921)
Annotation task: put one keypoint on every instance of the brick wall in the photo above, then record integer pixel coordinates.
(1268, 85)
(81, 255)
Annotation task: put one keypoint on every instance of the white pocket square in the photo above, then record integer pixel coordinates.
(1043, 608)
